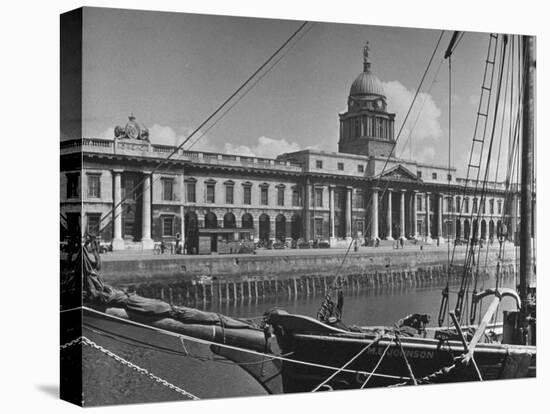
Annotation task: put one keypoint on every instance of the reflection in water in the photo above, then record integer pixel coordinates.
(380, 306)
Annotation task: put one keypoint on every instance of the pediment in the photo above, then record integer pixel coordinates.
(400, 173)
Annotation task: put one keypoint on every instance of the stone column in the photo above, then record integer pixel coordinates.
(428, 227)
(182, 210)
(402, 216)
(332, 238)
(146, 241)
(118, 241)
(388, 216)
(307, 210)
(374, 215)
(414, 214)
(348, 213)
(440, 217)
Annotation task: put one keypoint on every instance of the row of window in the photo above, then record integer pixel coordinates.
(434, 175)
(191, 193)
(340, 166)
(466, 205)
(94, 191)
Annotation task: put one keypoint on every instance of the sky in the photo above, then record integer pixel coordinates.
(172, 70)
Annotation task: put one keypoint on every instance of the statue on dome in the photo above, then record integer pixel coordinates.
(132, 130)
(366, 60)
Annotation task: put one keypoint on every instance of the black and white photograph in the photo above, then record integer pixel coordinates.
(278, 207)
(259, 206)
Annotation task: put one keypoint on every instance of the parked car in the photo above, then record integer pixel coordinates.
(105, 247)
(279, 245)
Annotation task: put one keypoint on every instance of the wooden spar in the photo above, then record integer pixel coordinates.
(464, 343)
(526, 203)
(481, 328)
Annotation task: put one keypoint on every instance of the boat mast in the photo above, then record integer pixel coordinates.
(526, 266)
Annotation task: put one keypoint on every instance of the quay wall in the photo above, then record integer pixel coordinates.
(195, 281)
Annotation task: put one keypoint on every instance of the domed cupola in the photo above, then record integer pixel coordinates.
(367, 127)
(366, 83)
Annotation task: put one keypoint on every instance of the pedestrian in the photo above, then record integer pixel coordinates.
(178, 241)
(356, 246)
(401, 242)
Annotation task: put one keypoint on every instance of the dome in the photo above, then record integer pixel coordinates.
(366, 84)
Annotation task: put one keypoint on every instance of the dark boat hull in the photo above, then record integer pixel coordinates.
(201, 367)
(322, 348)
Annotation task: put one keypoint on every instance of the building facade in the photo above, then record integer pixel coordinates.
(134, 193)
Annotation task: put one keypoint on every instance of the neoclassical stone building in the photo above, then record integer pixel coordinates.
(129, 192)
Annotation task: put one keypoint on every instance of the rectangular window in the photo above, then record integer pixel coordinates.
(339, 200)
(360, 227)
(434, 176)
(296, 197)
(210, 193)
(419, 203)
(263, 196)
(492, 206)
(167, 226)
(128, 190)
(499, 204)
(360, 168)
(280, 196)
(247, 195)
(319, 164)
(466, 205)
(318, 197)
(359, 199)
(72, 185)
(190, 189)
(458, 204)
(229, 194)
(482, 206)
(419, 174)
(94, 186)
(474, 207)
(318, 227)
(93, 224)
(167, 189)
(449, 205)
(340, 166)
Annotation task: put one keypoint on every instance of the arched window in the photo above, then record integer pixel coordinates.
(246, 221)
(229, 221)
(210, 220)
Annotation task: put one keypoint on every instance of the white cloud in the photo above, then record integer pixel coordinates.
(427, 126)
(426, 154)
(265, 147)
(109, 133)
(164, 135)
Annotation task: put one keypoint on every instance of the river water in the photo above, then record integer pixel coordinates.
(382, 306)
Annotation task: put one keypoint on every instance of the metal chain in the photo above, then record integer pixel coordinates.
(85, 341)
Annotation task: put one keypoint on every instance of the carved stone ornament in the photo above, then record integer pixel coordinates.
(132, 130)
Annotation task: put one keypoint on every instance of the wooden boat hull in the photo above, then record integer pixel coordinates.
(319, 346)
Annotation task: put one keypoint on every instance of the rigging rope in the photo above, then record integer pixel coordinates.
(336, 281)
(85, 341)
(244, 350)
(377, 364)
(322, 384)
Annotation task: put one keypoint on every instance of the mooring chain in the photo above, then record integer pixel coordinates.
(85, 341)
